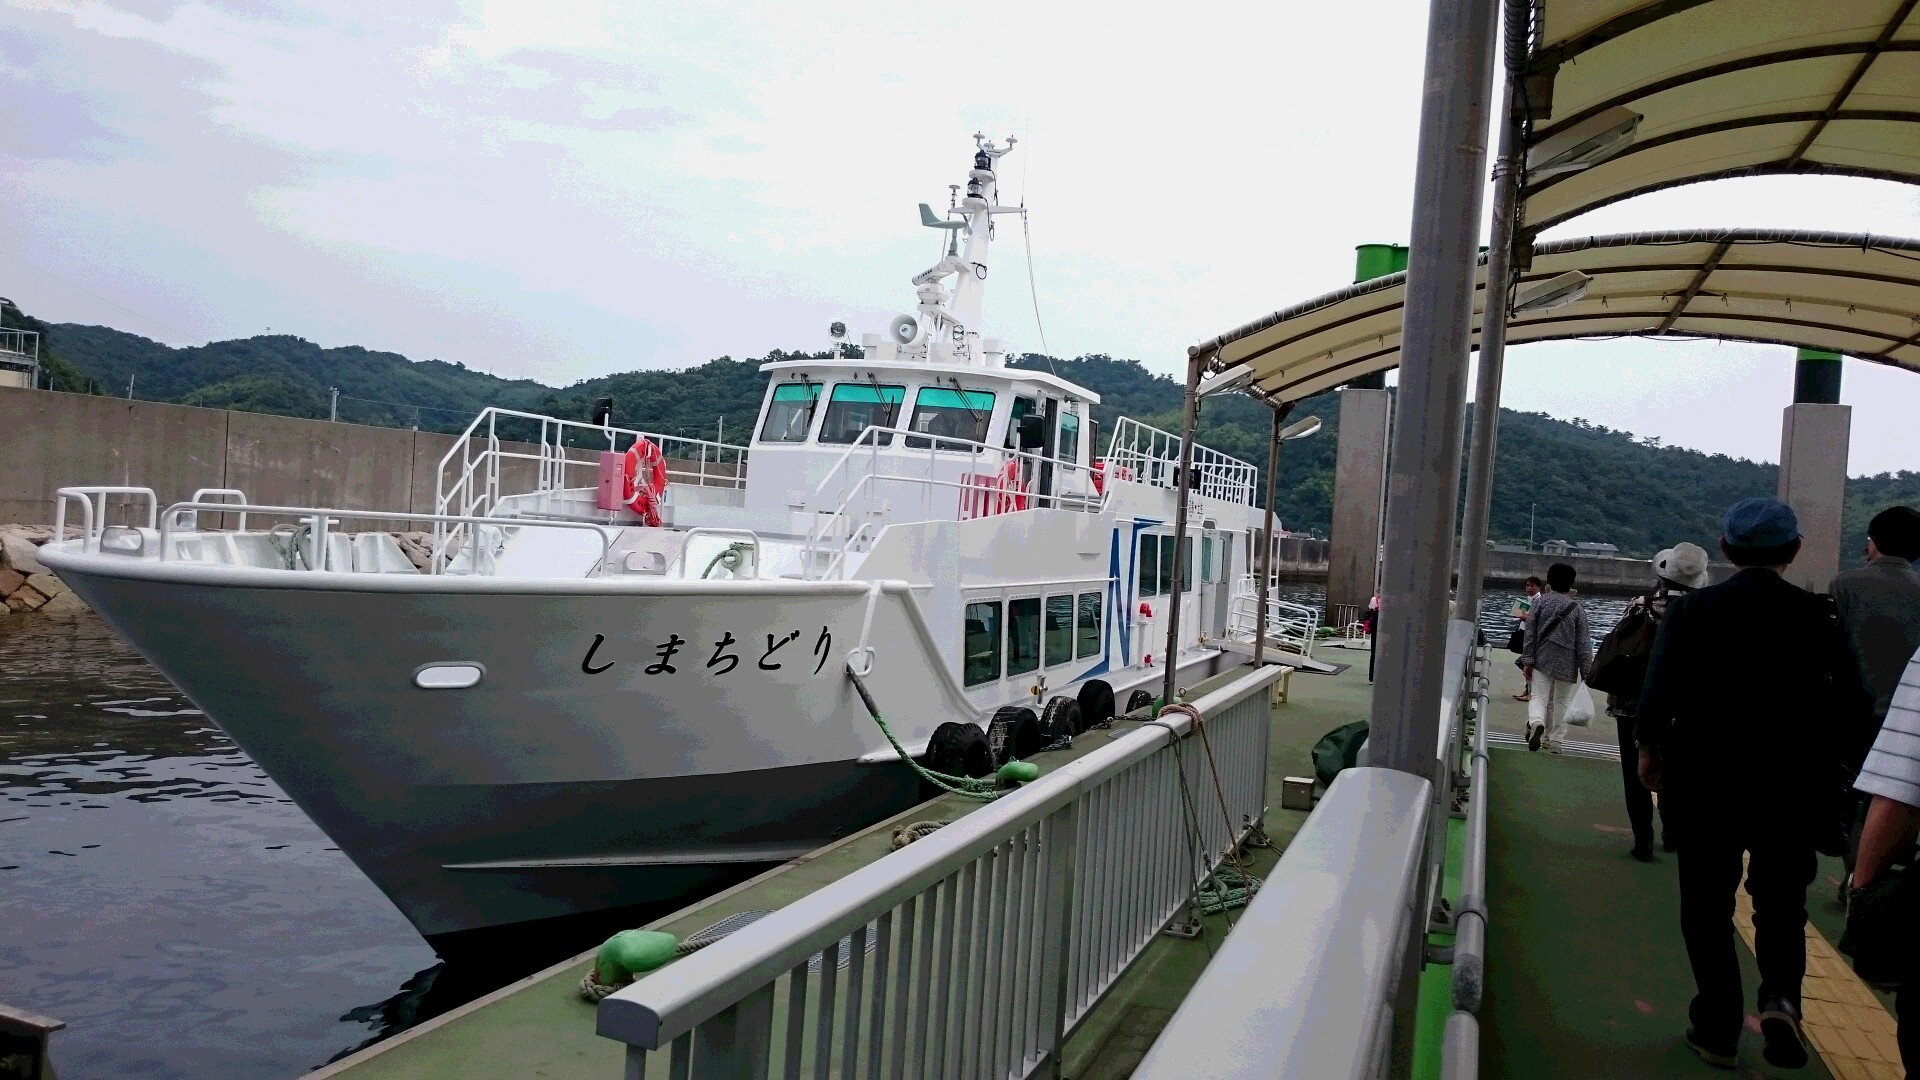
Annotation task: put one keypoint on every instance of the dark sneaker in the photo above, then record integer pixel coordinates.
(1534, 733)
(1718, 1057)
(1643, 852)
(1780, 1025)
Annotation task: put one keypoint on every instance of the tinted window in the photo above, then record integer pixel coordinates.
(1166, 565)
(1069, 437)
(1089, 630)
(1021, 407)
(1059, 629)
(790, 414)
(1149, 566)
(854, 407)
(1023, 635)
(982, 657)
(1206, 558)
(1186, 566)
(954, 414)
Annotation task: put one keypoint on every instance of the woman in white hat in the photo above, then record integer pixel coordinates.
(1681, 568)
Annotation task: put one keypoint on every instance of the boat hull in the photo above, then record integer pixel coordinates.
(570, 779)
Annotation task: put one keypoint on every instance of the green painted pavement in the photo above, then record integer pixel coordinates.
(1586, 972)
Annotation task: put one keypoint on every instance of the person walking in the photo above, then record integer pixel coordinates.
(1743, 720)
(1556, 657)
(1891, 778)
(1678, 570)
(1522, 608)
(1879, 604)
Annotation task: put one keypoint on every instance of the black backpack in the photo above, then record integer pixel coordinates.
(1620, 663)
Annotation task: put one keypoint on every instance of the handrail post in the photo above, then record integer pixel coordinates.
(1189, 417)
(1280, 412)
(735, 1043)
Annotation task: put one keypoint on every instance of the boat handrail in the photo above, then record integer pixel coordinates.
(321, 517)
(1153, 456)
(870, 439)
(1294, 626)
(92, 524)
(207, 495)
(1001, 931)
(553, 459)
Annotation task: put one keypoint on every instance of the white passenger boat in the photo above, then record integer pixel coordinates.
(614, 685)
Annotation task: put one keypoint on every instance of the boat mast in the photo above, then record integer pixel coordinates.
(950, 332)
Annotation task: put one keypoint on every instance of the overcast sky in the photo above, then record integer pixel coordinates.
(563, 189)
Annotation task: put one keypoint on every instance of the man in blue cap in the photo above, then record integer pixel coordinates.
(1751, 706)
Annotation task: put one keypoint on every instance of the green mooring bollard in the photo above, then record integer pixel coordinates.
(630, 953)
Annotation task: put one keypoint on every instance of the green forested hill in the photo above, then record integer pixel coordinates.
(1582, 482)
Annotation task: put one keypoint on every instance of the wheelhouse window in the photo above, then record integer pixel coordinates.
(1021, 407)
(790, 413)
(1059, 629)
(854, 407)
(950, 414)
(1069, 445)
(1150, 565)
(1023, 635)
(981, 661)
(1087, 634)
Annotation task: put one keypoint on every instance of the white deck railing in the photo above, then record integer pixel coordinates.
(1148, 455)
(977, 950)
(870, 480)
(469, 480)
(1293, 627)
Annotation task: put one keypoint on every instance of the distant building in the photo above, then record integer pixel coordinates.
(1589, 548)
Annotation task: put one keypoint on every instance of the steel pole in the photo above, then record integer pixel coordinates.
(1493, 362)
(1189, 417)
(1423, 477)
(1280, 412)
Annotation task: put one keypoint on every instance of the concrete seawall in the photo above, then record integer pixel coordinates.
(52, 440)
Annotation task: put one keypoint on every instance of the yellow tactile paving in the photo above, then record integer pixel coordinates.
(1845, 1023)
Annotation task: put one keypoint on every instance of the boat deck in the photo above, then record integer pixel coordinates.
(1586, 975)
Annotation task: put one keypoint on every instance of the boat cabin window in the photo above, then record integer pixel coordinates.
(1206, 559)
(1166, 565)
(1059, 629)
(1150, 565)
(1021, 407)
(1087, 637)
(790, 413)
(1023, 635)
(981, 662)
(954, 414)
(1069, 444)
(1156, 565)
(854, 407)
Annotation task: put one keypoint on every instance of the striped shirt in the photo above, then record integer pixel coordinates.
(1893, 767)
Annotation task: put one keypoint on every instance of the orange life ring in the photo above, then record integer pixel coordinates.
(644, 498)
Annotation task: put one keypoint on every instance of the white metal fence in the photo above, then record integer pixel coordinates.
(977, 950)
(1148, 455)
(1294, 627)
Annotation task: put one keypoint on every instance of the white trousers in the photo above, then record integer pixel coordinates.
(1548, 709)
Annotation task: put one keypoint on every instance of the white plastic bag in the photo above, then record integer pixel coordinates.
(1580, 706)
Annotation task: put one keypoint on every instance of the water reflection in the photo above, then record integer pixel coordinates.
(161, 895)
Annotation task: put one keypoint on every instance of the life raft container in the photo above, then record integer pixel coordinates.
(645, 480)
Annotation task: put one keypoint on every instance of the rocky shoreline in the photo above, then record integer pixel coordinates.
(26, 585)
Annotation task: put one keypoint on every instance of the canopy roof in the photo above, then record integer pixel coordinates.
(1724, 88)
(1852, 294)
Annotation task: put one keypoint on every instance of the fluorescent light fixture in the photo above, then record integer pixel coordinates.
(1557, 291)
(1585, 144)
(1220, 384)
(1300, 429)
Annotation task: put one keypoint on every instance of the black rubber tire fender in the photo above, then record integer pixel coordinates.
(1096, 704)
(1062, 717)
(958, 750)
(1013, 735)
(1139, 699)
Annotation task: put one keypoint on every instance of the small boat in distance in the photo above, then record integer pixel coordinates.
(620, 674)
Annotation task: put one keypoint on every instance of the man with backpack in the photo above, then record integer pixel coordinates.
(1620, 669)
(1751, 704)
